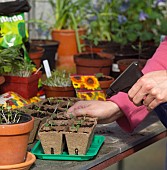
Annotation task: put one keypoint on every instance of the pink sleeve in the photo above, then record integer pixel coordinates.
(134, 115)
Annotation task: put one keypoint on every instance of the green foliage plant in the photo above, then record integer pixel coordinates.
(12, 63)
(59, 78)
(9, 116)
(138, 22)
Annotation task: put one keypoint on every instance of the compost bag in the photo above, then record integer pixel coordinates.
(10, 7)
(13, 30)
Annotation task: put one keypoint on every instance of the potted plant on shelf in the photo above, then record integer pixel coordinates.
(69, 26)
(58, 84)
(93, 63)
(15, 127)
(18, 72)
(136, 25)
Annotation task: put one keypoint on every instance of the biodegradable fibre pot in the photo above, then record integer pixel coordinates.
(75, 143)
(124, 63)
(35, 54)
(50, 54)
(59, 91)
(30, 159)
(27, 87)
(93, 63)
(40, 117)
(52, 142)
(14, 140)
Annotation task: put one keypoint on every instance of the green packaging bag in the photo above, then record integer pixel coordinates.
(13, 30)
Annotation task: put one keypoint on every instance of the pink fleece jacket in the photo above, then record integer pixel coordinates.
(134, 115)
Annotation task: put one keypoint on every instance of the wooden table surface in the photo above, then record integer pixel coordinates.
(117, 146)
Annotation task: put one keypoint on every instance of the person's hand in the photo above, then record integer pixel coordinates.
(150, 89)
(105, 111)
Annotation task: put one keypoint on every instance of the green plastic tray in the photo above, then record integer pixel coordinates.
(93, 150)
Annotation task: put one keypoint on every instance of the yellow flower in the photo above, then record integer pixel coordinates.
(91, 83)
(101, 96)
(76, 81)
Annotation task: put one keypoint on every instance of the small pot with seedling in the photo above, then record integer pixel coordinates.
(81, 129)
(58, 85)
(15, 127)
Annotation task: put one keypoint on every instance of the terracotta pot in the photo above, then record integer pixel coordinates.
(2, 79)
(123, 64)
(30, 159)
(105, 82)
(14, 141)
(35, 54)
(67, 48)
(59, 91)
(102, 45)
(27, 87)
(51, 47)
(93, 63)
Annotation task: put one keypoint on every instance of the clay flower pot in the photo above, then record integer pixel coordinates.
(59, 91)
(105, 82)
(67, 48)
(2, 79)
(14, 140)
(30, 159)
(35, 54)
(93, 63)
(124, 63)
(27, 87)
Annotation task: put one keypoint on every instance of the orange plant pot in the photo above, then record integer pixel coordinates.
(14, 141)
(105, 82)
(30, 159)
(88, 63)
(27, 87)
(67, 48)
(59, 91)
(35, 55)
(124, 63)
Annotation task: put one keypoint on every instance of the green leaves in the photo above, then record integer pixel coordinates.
(58, 79)
(12, 62)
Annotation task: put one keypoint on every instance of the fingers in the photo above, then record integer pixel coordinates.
(139, 91)
(78, 108)
(154, 99)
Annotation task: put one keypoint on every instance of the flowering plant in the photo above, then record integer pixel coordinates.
(139, 21)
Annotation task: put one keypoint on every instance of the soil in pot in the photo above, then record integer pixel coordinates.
(93, 63)
(123, 64)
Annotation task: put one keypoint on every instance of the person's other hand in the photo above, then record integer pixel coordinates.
(150, 89)
(105, 111)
